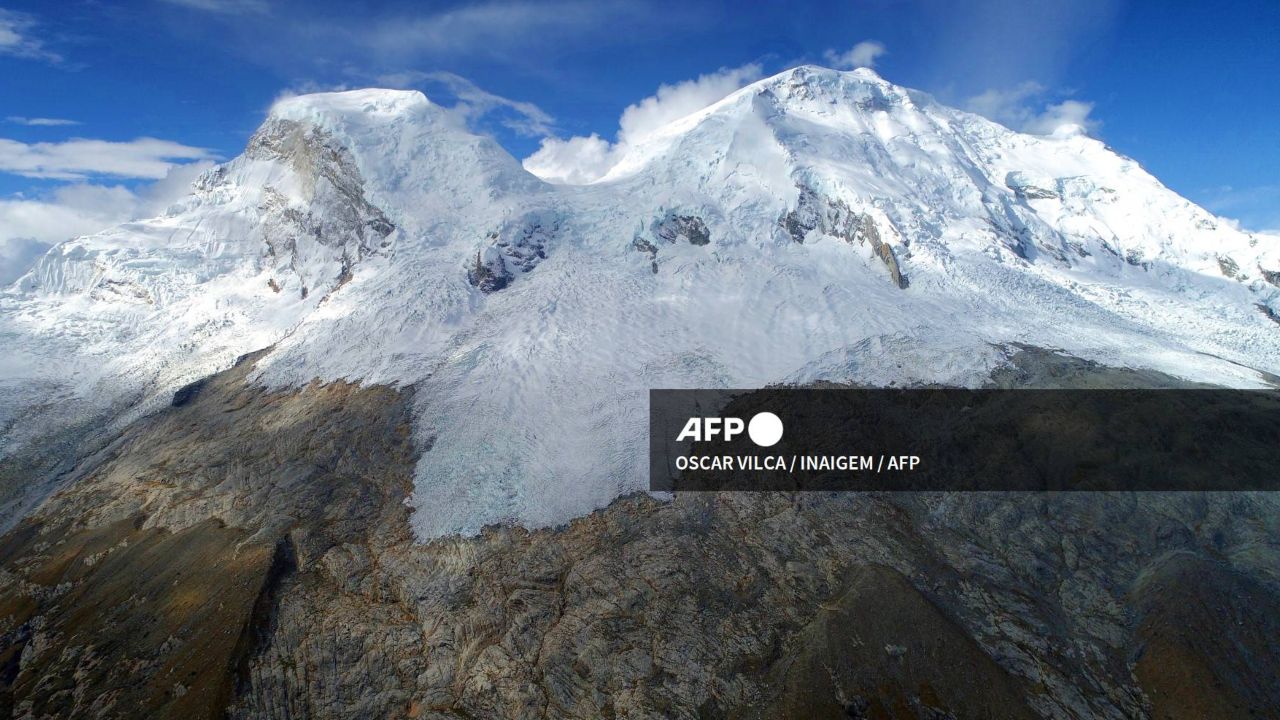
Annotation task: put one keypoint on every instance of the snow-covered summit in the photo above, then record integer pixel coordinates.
(366, 104)
(813, 225)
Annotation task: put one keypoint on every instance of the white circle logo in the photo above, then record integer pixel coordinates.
(765, 429)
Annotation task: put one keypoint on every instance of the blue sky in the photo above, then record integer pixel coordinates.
(1188, 89)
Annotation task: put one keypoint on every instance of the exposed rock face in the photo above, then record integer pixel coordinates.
(331, 223)
(817, 212)
(512, 250)
(1205, 627)
(674, 227)
(669, 229)
(1229, 268)
(328, 174)
(489, 273)
(644, 246)
(248, 552)
(141, 589)
(115, 289)
(883, 251)
(833, 217)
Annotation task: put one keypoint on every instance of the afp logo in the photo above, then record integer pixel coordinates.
(765, 429)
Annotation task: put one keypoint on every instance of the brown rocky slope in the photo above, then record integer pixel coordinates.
(247, 553)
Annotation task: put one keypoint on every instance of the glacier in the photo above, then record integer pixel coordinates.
(815, 225)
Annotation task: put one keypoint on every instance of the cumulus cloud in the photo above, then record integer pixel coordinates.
(17, 38)
(1027, 107)
(31, 225)
(227, 7)
(576, 161)
(580, 160)
(40, 121)
(80, 158)
(1068, 115)
(862, 55)
(673, 102)
(473, 103)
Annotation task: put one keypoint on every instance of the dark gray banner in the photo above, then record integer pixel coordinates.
(953, 439)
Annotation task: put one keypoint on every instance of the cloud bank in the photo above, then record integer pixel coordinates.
(580, 160)
(31, 225)
(80, 158)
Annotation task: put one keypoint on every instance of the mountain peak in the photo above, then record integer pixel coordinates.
(861, 86)
(810, 72)
(368, 102)
(784, 234)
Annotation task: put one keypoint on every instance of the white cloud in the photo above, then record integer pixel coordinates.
(580, 160)
(576, 161)
(1066, 116)
(29, 226)
(1025, 108)
(673, 102)
(81, 158)
(228, 7)
(1005, 105)
(864, 54)
(16, 38)
(475, 103)
(40, 121)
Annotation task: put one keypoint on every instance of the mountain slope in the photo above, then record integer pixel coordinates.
(813, 225)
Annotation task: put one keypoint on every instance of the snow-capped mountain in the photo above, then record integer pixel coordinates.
(816, 224)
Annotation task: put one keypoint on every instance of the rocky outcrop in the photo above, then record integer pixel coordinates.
(644, 246)
(833, 217)
(817, 212)
(489, 273)
(331, 225)
(871, 234)
(669, 229)
(512, 250)
(248, 553)
(328, 174)
(143, 589)
(674, 227)
(1229, 267)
